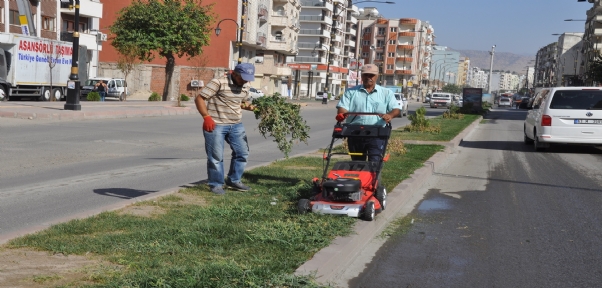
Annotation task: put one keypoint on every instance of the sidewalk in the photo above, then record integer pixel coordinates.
(103, 110)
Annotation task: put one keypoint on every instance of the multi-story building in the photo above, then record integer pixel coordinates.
(568, 54)
(268, 41)
(48, 20)
(463, 68)
(477, 78)
(323, 46)
(270, 38)
(593, 42)
(545, 66)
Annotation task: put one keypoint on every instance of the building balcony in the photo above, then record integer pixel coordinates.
(351, 31)
(279, 20)
(408, 21)
(405, 47)
(336, 51)
(407, 34)
(278, 43)
(261, 39)
(350, 43)
(87, 8)
(262, 13)
(382, 21)
(318, 18)
(310, 46)
(401, 58)
(352, 20)
(308, 4)
(336, 38)
(314, 32)
(403, 72)
(309, 59)
(270, 68)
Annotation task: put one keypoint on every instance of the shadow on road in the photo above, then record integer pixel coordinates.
(123, 193)
(522, 147)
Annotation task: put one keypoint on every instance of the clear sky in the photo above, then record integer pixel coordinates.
(515, 26)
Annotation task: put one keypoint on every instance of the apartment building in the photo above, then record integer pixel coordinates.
(568, 55)
(323, 46)
(48, 20)
(477, 78)
(463, 68)
(592, 42)
(545, 66)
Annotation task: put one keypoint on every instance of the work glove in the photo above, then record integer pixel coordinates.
(208, 124)
(340, 117)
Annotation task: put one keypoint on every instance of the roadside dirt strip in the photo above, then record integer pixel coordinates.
(330, 263)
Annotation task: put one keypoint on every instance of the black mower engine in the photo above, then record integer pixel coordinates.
(342, 189)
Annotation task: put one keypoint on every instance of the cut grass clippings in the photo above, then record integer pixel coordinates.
(250, 239)
(450, 128)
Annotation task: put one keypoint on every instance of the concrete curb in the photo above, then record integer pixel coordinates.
(328, 265)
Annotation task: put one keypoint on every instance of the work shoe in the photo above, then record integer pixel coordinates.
(218, 190)
(237, 185)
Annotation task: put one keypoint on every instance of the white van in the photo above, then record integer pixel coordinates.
(441, 99)
(571, 115)
(118, 87)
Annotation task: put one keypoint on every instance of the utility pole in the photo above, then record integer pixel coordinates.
(491, 69)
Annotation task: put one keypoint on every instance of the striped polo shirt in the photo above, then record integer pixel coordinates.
(223, 99)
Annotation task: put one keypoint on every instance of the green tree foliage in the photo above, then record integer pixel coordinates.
(594, 71)
(452, 88)
(167, 28)
(281, 120)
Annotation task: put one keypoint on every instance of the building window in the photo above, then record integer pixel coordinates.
(13, 17)
(381, 30)
(389, 66)
(366, 42)
(380, 43)
(68, 26)
(393, 29)
(392, 42)
(379, 56)
(368, 30)
(47, 23)
(279, 36)
(364, 55)
(391, 54)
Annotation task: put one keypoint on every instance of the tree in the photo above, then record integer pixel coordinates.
(167, 28)
(452, 88)
(52, 57)
(594, 71)
(127, 62)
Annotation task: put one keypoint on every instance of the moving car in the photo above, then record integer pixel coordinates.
(403, 103)
(441, 99)
(255, 93)
(568, 115)
(427, 98)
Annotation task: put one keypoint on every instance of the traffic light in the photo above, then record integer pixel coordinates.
(68, 4)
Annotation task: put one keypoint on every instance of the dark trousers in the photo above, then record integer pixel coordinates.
(370, 147)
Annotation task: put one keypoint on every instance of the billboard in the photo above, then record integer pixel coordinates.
(474, 96)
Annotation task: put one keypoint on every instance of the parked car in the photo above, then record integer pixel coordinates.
(441, 99)
(254, 93)
(403, 103)
(459, 102)
(504, 102)
(427, 98)
(568, 115)
(117, 87)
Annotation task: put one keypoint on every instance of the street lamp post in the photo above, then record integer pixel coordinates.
(437, 67)
(490, 69)
(239, 28)
(73, 86)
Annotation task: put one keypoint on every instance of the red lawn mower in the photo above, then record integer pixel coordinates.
(351, 188)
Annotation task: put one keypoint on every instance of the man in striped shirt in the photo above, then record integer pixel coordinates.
(220, 103)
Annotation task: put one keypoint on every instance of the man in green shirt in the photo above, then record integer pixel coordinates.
(367, 98)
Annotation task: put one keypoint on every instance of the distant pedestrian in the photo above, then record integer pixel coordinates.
(101, 88)
(220, 103)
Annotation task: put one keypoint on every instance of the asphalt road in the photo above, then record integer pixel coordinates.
(53, 170)
(497, 215)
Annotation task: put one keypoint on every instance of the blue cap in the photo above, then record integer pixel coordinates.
(246, 71)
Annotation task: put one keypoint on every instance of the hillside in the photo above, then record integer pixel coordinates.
(501, 60)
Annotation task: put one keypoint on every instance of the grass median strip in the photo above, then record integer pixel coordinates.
(450, 128)
(195, 239)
